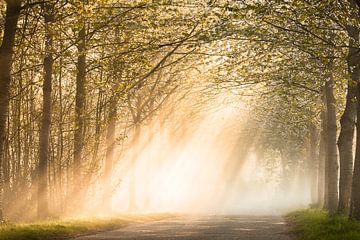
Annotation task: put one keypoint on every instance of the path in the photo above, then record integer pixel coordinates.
(203, 228)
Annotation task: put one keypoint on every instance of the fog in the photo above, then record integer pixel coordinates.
(204, 163)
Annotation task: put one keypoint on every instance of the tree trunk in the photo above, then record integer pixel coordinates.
(326, 162)
(6, 52)
(110, 146)
(346, 137)
(355, 195)
(43, 201)
(313, 162)
(353, 61)
(79, 113)
(331, 154)
(322, 157)
(60, 133)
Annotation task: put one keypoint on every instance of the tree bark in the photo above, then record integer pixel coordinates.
(347, 121)
(355, 195)
(313, 162)
(110, 146)
(79, 113)
(60, 132)
(353, 60)
(6, 53)
(43, 201)
(331, 154)
(322, 158)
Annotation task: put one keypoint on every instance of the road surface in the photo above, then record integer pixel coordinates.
(203, 228)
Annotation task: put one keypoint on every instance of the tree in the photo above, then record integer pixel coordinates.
(79, 114)
(43, 205)
(13, 8)
(331, 129)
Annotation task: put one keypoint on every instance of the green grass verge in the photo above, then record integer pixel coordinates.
(315, 224)
(65, 229)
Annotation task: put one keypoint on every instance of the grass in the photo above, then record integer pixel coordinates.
(65, 229)
(315, 224)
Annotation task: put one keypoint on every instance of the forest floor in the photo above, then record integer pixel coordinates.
(203, 228)
(71, 228)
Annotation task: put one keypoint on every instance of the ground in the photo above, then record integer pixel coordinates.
(62, 229)
(203, 227)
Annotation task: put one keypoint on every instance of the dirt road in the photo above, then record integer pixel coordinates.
(203, 227)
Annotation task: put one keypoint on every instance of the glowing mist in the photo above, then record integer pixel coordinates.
(196, 168)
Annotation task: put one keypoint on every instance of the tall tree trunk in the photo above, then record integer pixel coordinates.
(325, 151)
(313, 162)
(322, 158)
(79, 114)
(353, 32)
(346, 137)
(355, 195)
(331, 147)
(99, 106)
(110, 146)
(43, 201)
(60, 134)
(6, 52)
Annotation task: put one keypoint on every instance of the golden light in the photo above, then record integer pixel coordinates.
(188, 174)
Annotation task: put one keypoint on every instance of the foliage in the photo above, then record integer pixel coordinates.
(143, 56)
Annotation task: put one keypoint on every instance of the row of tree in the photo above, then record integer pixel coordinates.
(77, 78)
(301, 59)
